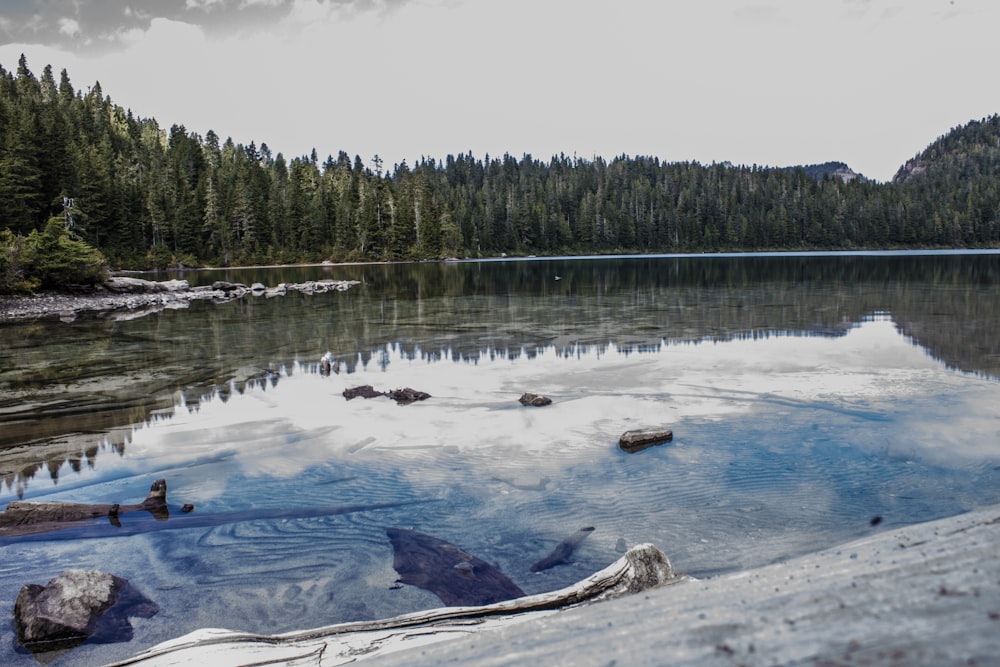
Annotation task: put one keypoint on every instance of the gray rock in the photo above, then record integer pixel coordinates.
(636, 441)
(123, 285)
(278, 290)
(129, 285)
(75, 606)
(536, 400)
(229, 288)
(406, 395)
(364, 391)
(174, 286)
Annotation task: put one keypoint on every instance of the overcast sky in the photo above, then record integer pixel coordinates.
(771, 82)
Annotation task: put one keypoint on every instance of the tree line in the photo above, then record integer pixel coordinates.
(151, 197)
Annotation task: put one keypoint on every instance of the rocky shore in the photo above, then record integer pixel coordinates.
(129, 298)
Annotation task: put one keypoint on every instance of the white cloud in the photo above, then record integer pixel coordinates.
(69, 27)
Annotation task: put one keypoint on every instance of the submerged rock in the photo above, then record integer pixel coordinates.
(636, 441)
(456, 577)
(643, 567)
(75, 606)
(564, 551)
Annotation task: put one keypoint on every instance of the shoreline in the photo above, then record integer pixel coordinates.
(68, 305)
(123, 298)
(924, 594)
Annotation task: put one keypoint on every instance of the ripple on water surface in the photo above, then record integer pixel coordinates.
(294, 486)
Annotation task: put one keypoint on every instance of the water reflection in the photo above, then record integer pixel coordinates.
(281, 427)
(801, 408)
(69, 389)
(782, 443)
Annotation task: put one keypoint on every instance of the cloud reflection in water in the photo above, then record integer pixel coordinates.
(782, 444)
(871, 378)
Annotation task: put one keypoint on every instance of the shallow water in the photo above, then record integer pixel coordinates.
(807, 395)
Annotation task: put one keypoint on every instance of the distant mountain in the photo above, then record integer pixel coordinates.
(833, 170)
(971, 151)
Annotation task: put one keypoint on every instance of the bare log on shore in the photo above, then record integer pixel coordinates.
(642, 568)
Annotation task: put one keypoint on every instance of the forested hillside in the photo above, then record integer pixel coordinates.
(149, 196)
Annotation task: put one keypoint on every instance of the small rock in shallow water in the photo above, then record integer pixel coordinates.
(405, 396)
(636, 441)
(364, 391)
(535, 400)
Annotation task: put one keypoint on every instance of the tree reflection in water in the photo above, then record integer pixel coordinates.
(807, 395)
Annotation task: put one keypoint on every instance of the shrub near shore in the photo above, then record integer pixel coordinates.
(51, 258)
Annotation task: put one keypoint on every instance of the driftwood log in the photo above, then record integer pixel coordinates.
(915, 594)
(25, 517)
(642, 568)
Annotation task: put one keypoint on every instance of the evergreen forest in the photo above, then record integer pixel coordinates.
(85, 183)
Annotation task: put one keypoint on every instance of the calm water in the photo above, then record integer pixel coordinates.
(807, 396)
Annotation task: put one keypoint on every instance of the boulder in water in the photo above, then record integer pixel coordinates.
(75, 606)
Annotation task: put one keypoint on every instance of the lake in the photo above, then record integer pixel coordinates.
(814, 399)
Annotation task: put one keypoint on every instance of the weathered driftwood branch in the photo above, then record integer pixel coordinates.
(25, 517)
(643, 567)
